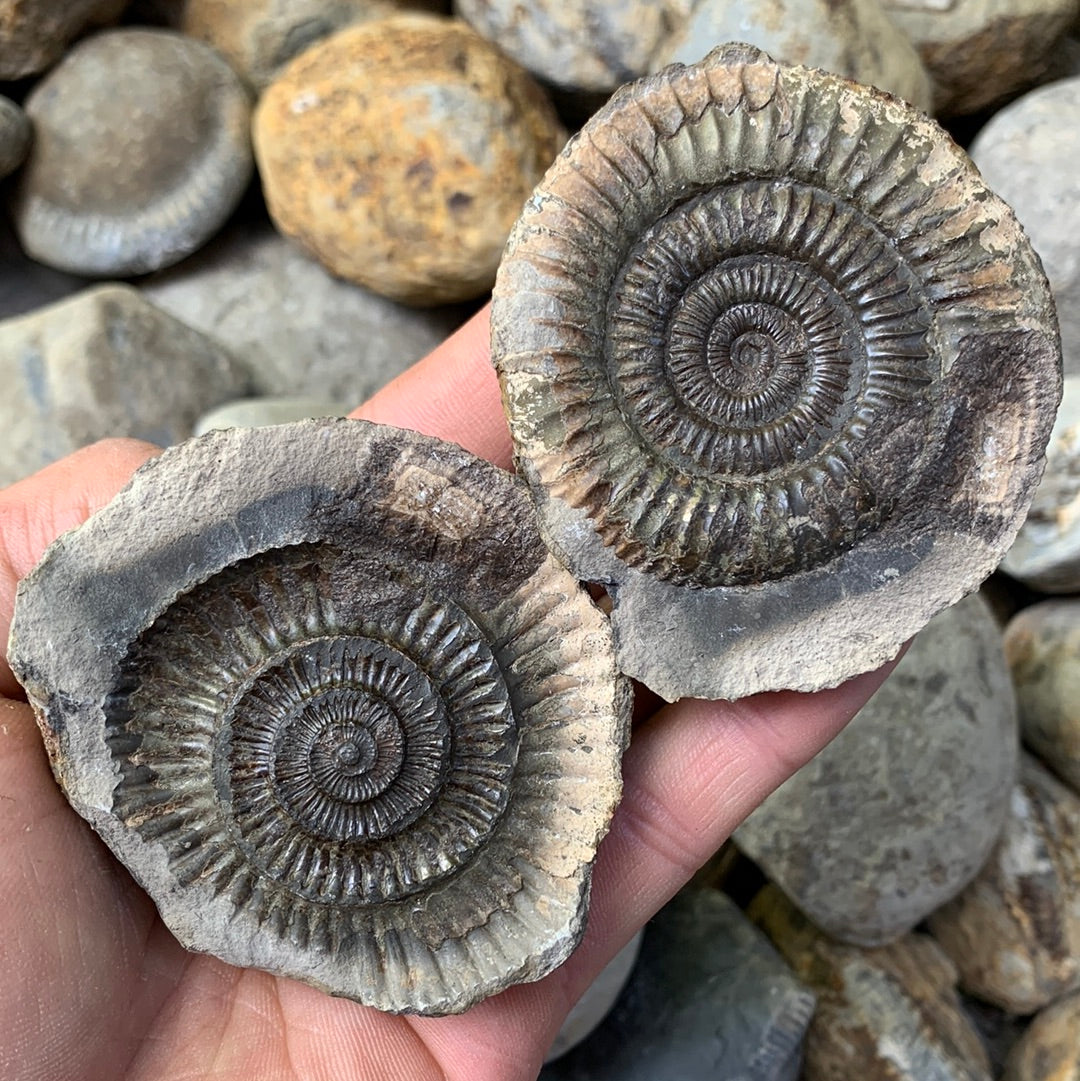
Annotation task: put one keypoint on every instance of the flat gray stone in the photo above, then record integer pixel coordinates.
(34, 34)
(709, 999)
(104, 362)
(111, 189)
(1029, 153)
(299, 329)
(900, 811)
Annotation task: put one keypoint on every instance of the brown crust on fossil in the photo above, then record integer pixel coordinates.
(324, 692)
(779, 371)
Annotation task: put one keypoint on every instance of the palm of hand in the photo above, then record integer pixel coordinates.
(96, 989)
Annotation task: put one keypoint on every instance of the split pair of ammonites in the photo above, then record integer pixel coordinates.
(779, 371)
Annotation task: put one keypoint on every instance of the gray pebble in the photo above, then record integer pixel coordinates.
(300, 330)
(256, 412)
(709, 999)
(141, 152)
(14, 136)
(979, 52)
(1029, 153)
(103, 363)
(1042, 645)
(854, 38)
(901, 810)
(1046, 552)
(35, 33)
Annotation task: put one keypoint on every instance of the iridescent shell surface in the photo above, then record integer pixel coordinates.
(325, 693)
(779, 369)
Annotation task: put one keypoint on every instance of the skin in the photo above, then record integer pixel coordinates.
(95, 987)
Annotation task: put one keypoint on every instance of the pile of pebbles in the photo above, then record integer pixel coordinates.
(223, 213)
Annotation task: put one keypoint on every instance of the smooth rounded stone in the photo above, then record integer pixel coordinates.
(596, 1003)
(14, 136)
(259, 37)
(399, 153)
(102, 363)
(1029, 153)
(1050, 1049)
(588, 48)
(141, 151)
(1014, 933)
(325, 693)
(854, 38)
(258, 412)
(708, 999)
(1042, 646)
(1046, 552)
(891, 1012)
(981, 51)
(901, 810)
(300, 330)
(35, 33)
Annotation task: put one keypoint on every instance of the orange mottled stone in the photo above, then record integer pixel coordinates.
(400, 152)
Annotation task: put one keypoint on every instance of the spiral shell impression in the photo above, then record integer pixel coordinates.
(779, 370)
(324, 692)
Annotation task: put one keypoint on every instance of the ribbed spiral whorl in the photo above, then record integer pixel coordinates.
(742, 328)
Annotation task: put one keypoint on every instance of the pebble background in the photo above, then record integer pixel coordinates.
(222, 213)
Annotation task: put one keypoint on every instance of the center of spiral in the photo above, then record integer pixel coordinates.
(349, 754)
(752, 352)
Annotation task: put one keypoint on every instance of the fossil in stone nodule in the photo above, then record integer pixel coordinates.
(779, 369)
(324, 692)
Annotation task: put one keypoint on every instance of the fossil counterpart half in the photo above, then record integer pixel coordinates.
(779, 369)
(325, 693)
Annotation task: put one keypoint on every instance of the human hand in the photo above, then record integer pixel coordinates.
(94, 985)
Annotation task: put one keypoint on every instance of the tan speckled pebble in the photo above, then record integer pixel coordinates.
(399, 153)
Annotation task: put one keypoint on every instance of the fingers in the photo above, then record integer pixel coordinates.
(35, 511)
(452, 393)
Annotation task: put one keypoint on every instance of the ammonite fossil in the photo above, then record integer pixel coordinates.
(326, 694)
(779, 370)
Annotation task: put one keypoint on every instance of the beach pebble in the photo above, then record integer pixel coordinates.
(259, 37)
(589, 47)
(1014, 933)
(979, 52)
(709, 999)
(891, 1012)
(102, 363)
(399, 152)
(141, 151)
(854, 38)
(1029, 154)
(14, 136)
(1050, 1049)
(256, 412)
(898, 813)
(1046, 552)
(34, 33)
(1042, 645)
(300, 330)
